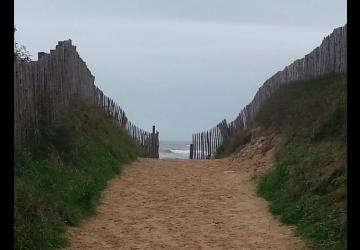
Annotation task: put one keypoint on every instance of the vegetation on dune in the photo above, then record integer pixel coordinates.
(308, 183)
(61, 173)
(319, 104)
(307, 186)
(233, 144)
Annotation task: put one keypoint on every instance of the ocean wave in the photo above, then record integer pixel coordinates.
(166, 150)
(179, 151)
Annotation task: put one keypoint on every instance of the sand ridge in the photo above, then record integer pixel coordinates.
(185, 204)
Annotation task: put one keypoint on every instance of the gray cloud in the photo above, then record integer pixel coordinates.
(182, 66)
(290, 12)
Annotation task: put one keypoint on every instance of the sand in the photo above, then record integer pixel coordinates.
(186, 204)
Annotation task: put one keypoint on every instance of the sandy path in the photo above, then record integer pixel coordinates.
(183, 204)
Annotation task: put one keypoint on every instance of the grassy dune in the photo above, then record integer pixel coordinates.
(61, 173)
(308, 182)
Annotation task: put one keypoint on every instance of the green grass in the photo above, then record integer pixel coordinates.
(307, 184)
(318, 104)
(60, 175)
(307, 187)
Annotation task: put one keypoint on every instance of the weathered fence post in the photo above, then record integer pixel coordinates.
(191, 151)
(208, 152)
(153, 143)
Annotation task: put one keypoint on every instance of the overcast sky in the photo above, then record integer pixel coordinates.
(182, 65)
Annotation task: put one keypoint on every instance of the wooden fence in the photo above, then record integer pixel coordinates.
(329, 58)
(205, 144)
(45, 87)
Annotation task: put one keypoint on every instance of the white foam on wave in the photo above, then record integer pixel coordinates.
(179, 151)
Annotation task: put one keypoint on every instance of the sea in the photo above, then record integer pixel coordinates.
(174, 149)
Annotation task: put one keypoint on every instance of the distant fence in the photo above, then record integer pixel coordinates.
(329, 58)
(45, 87)
(205, 144)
